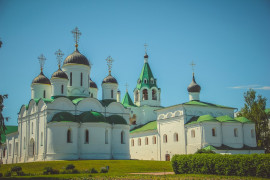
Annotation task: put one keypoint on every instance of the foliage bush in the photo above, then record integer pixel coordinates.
(17, 170)
(70, 167)
(50, 170)
(103, 170)
(1, 175)
(204, 151)
(93, 170)
(236, 165)
(7, 174)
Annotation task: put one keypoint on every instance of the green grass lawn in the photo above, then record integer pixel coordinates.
(119, 169)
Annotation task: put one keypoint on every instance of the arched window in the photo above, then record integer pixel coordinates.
(69, 136)
(9, 149)
(139, 142)
(145, 94)
(213, 131)
(154, 94)
(132, 142)
(111, 93)
(106, 137)
(145, 81)
(122, 137)
(137, 96)
(41, 139)
(62, 89)
(31, 148)
(44, 94)
(91, 95)
(252, 133)
(86, 141)
(165, 139)
(24, 143)
(235, 131)
(81, 79)
(32, 128)
(70, 79)
(4, 152)
(193, 133)
(154, 140)
(16, 148)
(146, 141)
(175, 137)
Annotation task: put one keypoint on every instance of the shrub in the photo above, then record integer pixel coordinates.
(70, 167)
(103, 170)
(16, 169)
(205, 151)
(1, 175)
(7, 174)
(237, 165)
(93, 170)
(75, 171)
(50, 170)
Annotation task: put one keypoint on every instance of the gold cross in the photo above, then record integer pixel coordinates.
(192, 65)
(126, 87)
(109, 63)
(145, 47)
(76, 33)
(59, 55)
(41, 61)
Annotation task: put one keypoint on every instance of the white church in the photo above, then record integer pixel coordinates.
(64, 120)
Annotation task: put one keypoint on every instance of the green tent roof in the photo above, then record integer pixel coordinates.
(146, 127)
(243, 120)
(63, 117)
(226, 119)
(146, 74)
(206, 118)
(127, 101)
(9, 129)
(116, 119)
(92, 116)
(206, 104)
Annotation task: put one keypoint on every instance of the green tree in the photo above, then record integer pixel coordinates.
(2, 118)
(254, 109)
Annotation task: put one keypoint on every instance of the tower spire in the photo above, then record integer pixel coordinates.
(41, 59)
(59, 56)
(76, 33)
(109, 63)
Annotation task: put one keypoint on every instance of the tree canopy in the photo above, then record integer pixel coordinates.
(2, 118)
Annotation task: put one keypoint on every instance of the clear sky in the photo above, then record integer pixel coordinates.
(229, 41)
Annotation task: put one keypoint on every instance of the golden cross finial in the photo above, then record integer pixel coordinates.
(145, 48)
(126, 87)
(59, 55)
(76, 33)
(109, 63)
(192, 65)
(41, 59)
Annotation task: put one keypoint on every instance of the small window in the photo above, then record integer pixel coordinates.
(193, 133)
(70, 80)
(252, 133)
(145, 81)
(69, 136)
(122, 137)
(132, 142)
(41, 139)
(145, 94)
(111, 93)
(44, 94)
(139, 142)
(154, 140)
(16, 148)
(154, 94)
(146, 141)
(24, 142)
(106, 137)
(137, 96)
(91, 95)
(81, 79)
(176, 137)
(4, 152)
(9, 149)
(62, 89)
(235, 132)
(213, 132)
(152, 81)
(32, 128)
(165, 138)
(86, 141)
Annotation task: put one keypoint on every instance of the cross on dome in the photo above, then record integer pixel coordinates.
(192, 66)
(59, 56)
(76, 33)
(145, 48)
(109, 63)
(41, 59)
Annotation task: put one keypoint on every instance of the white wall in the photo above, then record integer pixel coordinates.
(37, 91)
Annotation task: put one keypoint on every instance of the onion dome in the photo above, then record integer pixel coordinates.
(76, 58)
(92, 84)
(109, 79)
(59, 74)
(41, 79)
(194, 87)
(146, 56)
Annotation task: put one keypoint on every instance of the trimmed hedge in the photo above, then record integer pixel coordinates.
(231, 165)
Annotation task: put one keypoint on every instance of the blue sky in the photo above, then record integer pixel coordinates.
(229, 41)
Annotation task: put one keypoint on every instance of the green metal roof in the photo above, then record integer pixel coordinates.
(127, 101)
(206, 118)
(77, 100)
(91, 116)
(206, 104)
(226, 119)
(243, 120)
(63, 117)
(116, 119)
(146, 74)
(146, 127)
(46, 101)
(9, 129)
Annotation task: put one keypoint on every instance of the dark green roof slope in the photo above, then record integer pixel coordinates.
(206, 104)
(106, 102)
(91, 116)
(226, 119)
(127, 101)
(63, 117)
(146, 74)
(9, 129)
(116, 119)
(146, 127)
